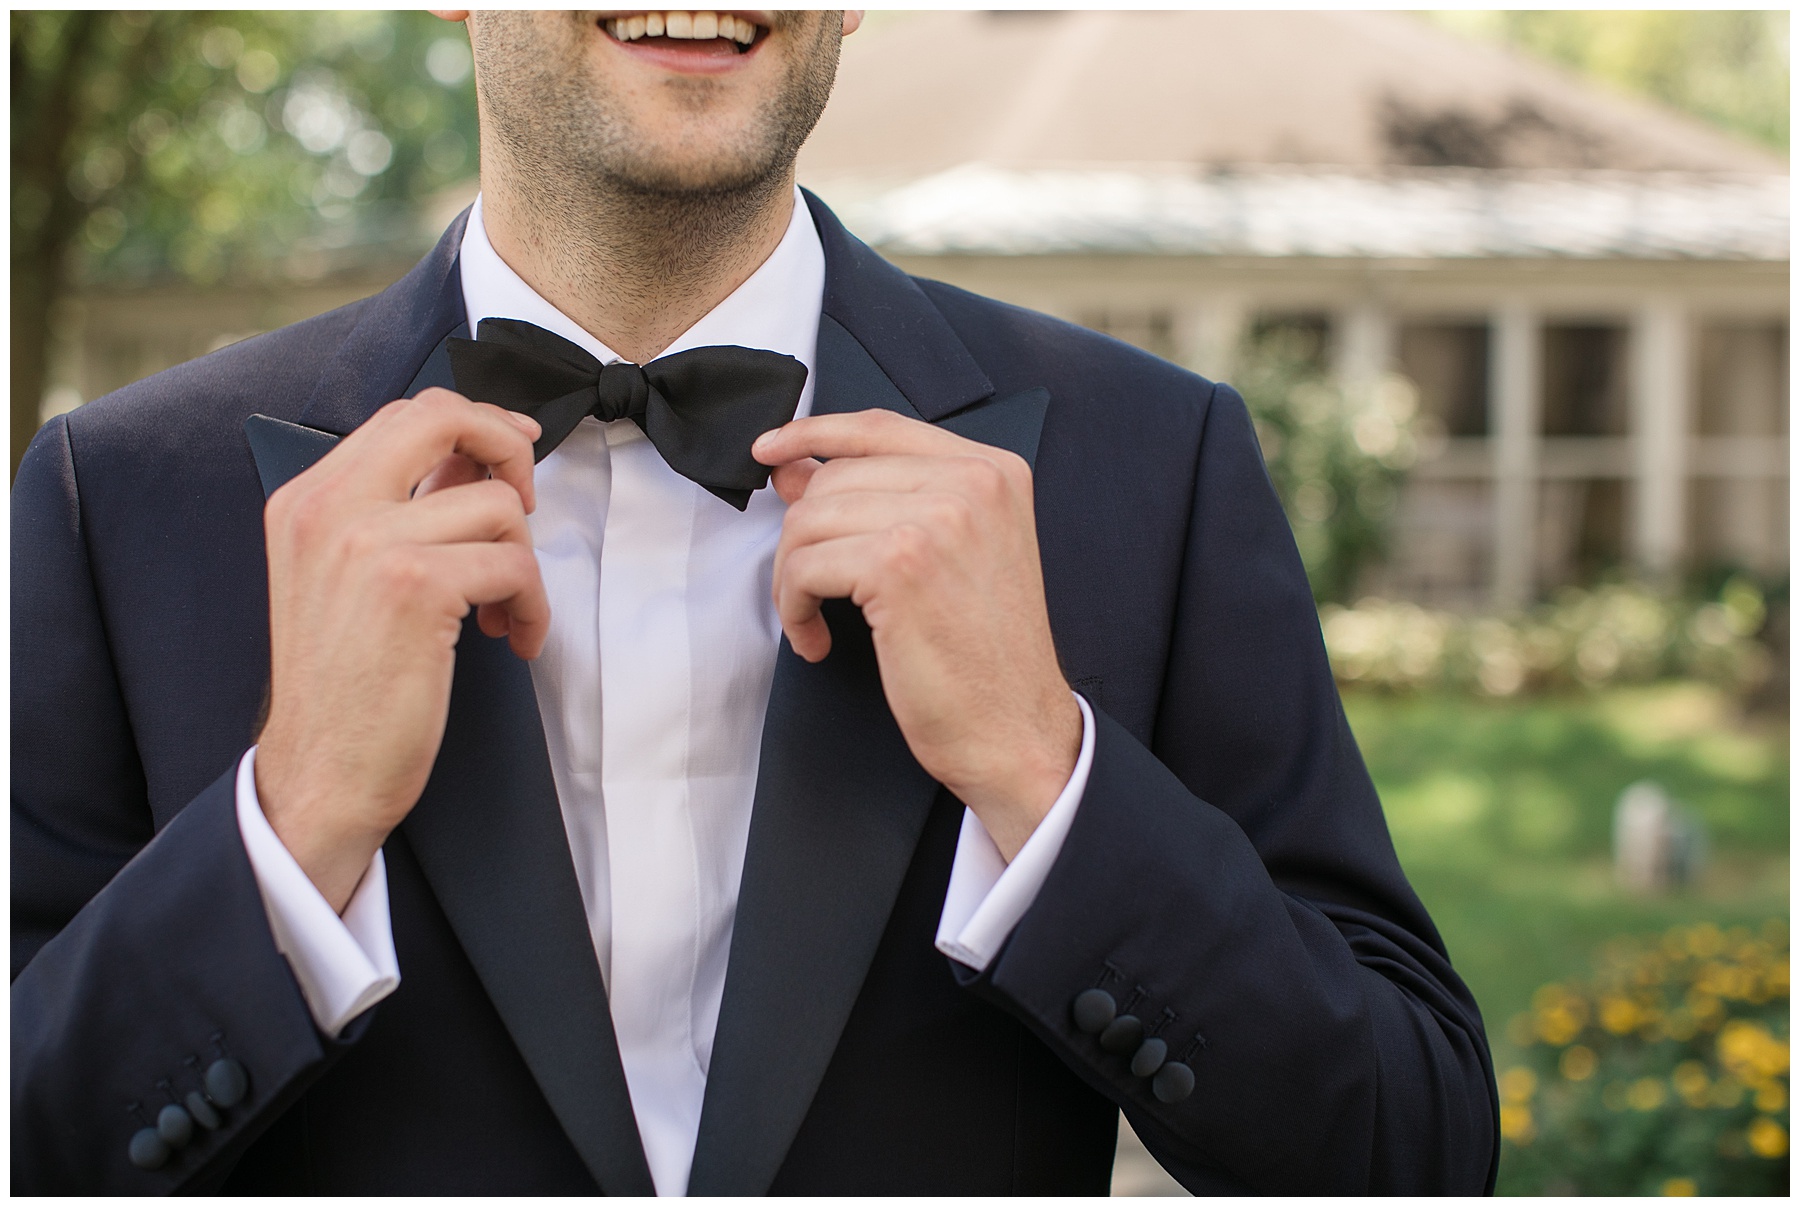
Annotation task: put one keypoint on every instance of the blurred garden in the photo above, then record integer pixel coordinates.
(1640, 1031)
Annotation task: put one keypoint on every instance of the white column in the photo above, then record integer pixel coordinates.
(1362, 345)
(1207, 333)
(1661, 402)
(1516, 394)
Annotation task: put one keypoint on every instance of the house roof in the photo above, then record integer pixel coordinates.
(1422, 214)
(1357, 134)
(921, 92)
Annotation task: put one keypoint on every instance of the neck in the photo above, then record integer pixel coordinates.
(635, 269)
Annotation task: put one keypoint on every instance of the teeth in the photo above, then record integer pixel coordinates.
(698, 26)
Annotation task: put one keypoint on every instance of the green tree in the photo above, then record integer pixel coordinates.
(207, 146)
(1729, 68)
(1336, 454)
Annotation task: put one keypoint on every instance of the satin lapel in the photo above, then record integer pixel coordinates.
(840, 803)
(489, 834)
(487, 831)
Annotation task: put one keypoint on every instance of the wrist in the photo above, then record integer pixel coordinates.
(332, 852)
(1028, 778)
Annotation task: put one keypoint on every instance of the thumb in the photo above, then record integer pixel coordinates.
(790, 480)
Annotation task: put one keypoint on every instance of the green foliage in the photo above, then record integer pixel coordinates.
(1665, 1072)
(1726, 67)
(1501, 809)
(1471, 784)
(204, 143)
(1336, 455)
(1616, 633)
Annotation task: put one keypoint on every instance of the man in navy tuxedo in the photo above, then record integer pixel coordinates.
(500, 810)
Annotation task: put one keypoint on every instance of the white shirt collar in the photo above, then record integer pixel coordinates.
(776, 308)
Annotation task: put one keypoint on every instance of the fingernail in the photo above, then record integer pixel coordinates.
(525, 423)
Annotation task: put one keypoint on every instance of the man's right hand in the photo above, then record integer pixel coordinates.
(376, 554)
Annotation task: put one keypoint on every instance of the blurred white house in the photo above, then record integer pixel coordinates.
(1590, 293)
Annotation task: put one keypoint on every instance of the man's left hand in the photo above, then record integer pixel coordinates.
(935, 539)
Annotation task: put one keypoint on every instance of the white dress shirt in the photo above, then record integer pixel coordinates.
(652, 690)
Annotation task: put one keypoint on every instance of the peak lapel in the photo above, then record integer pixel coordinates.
(489, 835)
(399, 330)
(487, 830)
(840, 801)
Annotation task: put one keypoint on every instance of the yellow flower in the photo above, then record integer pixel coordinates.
(1518, 1084)
(1515, 1123)
(1771, 1097)
(1646, 1094)
(1579, 1063)
(1680, 1186)
(1620, 1015)
(1705, 940)
(1750, 1052)
(1691, 1082)
(1767, 1138)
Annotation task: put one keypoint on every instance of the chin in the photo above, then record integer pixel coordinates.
(698, 170)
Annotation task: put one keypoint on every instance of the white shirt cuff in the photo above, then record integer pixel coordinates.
(987, 895)
(344, 965)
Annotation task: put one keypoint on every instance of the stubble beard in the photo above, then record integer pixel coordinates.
(610, 207)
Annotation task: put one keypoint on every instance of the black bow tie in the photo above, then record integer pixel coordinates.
(702, 408)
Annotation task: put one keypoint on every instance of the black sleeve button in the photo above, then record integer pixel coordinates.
(175, 1126)
(1094, 1008)
(1173, 1082)
(1150, 1056)
(226, 1082)
(1122, 1034)
(203, 1111)
(148, 1150)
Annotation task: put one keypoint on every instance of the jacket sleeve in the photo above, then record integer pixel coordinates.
(140, 959)
(1229, 882)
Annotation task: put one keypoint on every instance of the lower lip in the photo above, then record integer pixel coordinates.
(693, 62)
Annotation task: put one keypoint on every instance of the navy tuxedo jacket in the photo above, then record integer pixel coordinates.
(1229, 876)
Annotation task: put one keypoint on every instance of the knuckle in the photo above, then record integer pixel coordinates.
(402, 571)
(302, 514)
(981, 477)
(437, 398)
(498, 496)
(1016, 469)
(908, 551)
(359, 542)
(519, 564)
(953, 514)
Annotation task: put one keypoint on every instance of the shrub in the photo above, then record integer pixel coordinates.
(1618, 633)
(1666, 1073)
(1335, 455)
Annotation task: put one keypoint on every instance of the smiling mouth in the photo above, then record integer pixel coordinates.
(694, 33)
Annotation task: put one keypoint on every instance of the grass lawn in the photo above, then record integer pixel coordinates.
(1501, 811)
